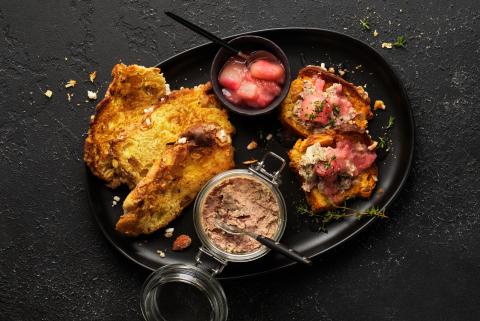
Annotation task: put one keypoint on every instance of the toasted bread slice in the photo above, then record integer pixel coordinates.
(357, 96)
(174, 180)
(142, 144)
(132, 89)
(361, 186)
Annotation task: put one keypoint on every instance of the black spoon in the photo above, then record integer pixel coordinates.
(268, 242)
(250, 58)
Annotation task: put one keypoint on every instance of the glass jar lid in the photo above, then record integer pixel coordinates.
(183, 292)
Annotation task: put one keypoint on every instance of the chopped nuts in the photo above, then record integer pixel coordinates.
(92, 76)
(48, 93)
(252, 145)
(167, 89)
(181, 243)
(92, 95)
(269, 136)
(148, 110)
(249, 162)
(222, 136)
(116, 198)
(92, 118)
(169, 232)
(387, 45)
(331, 69)
(182, 140)
(322, 66)
(375, 33)
(341, 72)
(148, 122)
(379, 104)
(161, 253)
(373, 146)
(70, 83)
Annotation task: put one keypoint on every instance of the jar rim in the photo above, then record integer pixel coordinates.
(185, 274)
(205, 240)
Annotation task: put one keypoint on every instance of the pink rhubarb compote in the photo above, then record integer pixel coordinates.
(348, 159)
(323, 107)
(254, 86)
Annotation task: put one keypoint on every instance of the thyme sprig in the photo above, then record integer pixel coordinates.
(400, 42)
(364, 23)
(339, 213)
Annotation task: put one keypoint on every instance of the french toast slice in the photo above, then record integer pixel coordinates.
(133, 89)
(174, 180)
(361, 185)
(143, 143)
(356, 95)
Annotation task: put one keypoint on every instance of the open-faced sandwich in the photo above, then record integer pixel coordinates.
(334, 166)
(130, 142)
(319, 100)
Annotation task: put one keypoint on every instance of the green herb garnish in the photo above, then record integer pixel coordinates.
(382, 143)
(336, 110)
(312, 116)
(364, 24)
(331, 122)
(400, 43)
(339, 213)
(319, 106)
(391, 121)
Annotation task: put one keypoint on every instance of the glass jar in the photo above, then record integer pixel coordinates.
(183, 292)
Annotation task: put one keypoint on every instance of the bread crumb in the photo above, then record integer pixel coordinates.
(70, 83)
(341, 72)
(92, 76)
(322, 66)
(69, 97)
(387, 45)
(167, 89)
(116, 198)
(379, 104)
(92, 118)
(252, 145)
(331, 69)
(161, 253)
(375, 33)
(181, 243)
(269, 136)
(92, 95)
(48, 93)
(148, 122)
(358, 67)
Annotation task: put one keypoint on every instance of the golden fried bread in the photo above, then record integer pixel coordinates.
(361, 186)
(174, 180)
(355, 95)
(142, 144)
(133, 89)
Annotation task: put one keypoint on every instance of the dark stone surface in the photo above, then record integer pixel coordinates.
(421, 264)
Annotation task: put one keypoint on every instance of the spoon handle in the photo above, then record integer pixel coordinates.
(279, 247)
(202, 32)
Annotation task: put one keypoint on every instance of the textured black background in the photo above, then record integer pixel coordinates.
(421, 264)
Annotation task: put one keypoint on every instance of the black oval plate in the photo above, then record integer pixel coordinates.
(302, 46)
